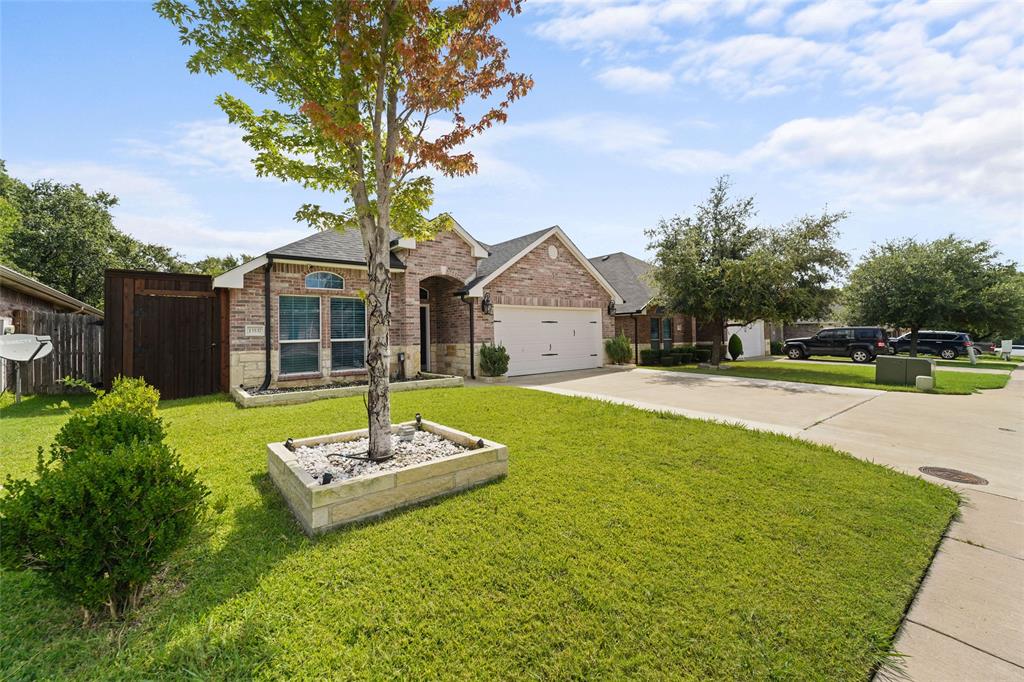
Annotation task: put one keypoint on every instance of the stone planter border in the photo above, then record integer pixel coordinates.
(492, 380)
(319, 508)
(246, 399)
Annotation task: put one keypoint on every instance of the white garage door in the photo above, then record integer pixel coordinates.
(548, 339)
(752, 337)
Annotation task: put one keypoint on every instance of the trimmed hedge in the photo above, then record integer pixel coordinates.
(650, 357)
(735, 347)
(702, 355)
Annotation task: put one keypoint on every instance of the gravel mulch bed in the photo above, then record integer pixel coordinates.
(319, 459)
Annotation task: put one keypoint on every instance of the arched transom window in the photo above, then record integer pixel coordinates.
(324, 280)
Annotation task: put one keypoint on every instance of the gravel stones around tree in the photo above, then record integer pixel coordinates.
(331, 457)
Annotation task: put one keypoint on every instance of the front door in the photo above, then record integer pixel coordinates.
(425, 337)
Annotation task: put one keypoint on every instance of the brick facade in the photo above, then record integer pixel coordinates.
(11, 300)
(441, 267)
(539, 280)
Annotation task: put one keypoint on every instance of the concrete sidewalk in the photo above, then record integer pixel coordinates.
(967, 620)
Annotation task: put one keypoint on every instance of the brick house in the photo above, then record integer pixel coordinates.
(536, 294)
(646, 325)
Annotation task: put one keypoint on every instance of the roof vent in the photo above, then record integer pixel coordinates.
(604, 258)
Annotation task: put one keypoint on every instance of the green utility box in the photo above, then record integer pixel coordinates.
(901, 371)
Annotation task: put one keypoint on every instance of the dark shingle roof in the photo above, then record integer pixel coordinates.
(624, 272)
(501, 254)
(330, 246)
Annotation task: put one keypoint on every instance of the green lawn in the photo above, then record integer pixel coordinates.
(845, 374)
(623, 545)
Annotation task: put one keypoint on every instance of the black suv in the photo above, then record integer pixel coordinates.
(947, 345)
(861, 344)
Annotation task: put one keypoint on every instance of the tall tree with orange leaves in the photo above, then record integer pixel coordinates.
(358, 82)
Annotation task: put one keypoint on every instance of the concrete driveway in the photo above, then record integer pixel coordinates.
(967, 620)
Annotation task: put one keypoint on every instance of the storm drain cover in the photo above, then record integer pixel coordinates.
(954, 475)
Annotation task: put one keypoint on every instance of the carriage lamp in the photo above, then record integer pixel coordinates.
(486, 306)
(611, 307)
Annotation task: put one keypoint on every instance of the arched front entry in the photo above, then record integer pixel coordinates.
(443, 326)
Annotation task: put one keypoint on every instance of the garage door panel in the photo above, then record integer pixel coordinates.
(548, 339)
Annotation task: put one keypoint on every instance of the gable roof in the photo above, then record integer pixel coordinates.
(477, 248)
(624, 272)
(328, 247)
(502, 253)
(505, 254)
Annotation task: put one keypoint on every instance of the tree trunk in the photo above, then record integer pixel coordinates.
(716, 342)
(378, 341)
(913, 342)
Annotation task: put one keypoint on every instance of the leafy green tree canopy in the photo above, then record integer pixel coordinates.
(356, 83)
(949, 283)
(718, 267)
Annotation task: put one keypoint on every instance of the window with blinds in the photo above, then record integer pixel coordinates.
(348, 333)
(299, 334)
(324, 280)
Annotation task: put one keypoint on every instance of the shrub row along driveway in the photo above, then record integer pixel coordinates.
(968, 620)
(624, 544)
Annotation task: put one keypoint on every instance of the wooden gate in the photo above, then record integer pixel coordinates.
(76, 352)
(166, 328)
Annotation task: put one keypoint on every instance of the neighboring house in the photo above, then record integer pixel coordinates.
(650, 326)
(31, 307)
(20, 292)
(644, 324)
(536, 294)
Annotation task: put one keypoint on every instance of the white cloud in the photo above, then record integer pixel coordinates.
(209, 146)
(602, 25)
(759, 65)
(153, 209)
(635, 79)
(829, 16)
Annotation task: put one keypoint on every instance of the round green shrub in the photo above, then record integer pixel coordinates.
(618, 349)
(735, 347)
(493, 360)
(777, 347)
(124, 415)
(99, 525)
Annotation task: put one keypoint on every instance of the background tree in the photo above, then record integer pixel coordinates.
(949, 283)
(66, 238)
(717, 267)
(357, 82)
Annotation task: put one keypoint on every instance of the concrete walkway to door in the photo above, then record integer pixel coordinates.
(967, 620)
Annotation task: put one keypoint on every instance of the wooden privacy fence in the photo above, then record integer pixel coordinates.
(166, 328)
(77, 351)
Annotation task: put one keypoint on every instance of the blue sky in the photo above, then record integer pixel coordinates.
(907, 114)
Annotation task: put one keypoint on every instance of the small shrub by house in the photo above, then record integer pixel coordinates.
(493, 360)
(618, 349)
